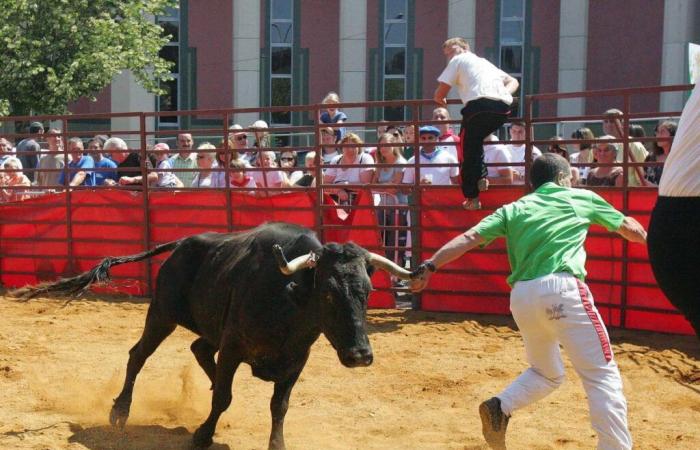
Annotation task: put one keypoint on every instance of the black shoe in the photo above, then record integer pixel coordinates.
(493, 423)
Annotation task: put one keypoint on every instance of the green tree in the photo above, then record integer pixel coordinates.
(55, 52)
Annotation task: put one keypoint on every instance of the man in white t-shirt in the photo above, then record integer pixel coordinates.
(517, 151)
(674, 229)
(497, 154)
(433, 161)
(487, 93)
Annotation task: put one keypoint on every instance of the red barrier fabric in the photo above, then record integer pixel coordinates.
(477, 281)
(37, 245)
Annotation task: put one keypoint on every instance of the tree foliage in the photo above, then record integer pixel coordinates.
(55, 52)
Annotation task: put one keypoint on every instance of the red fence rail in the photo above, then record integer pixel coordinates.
(70, 230)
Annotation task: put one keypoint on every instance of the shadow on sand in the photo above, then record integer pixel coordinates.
(135, 437)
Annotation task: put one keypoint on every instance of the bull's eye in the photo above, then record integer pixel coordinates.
(329, 298)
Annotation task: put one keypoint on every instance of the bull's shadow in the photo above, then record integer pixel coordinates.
(135, 437)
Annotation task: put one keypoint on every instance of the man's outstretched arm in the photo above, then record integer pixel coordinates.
(446, 254)
(632, 230)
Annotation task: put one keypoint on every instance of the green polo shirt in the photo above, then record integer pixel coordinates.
(545, 230)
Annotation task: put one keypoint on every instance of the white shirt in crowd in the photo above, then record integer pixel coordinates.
(440, 175)
(681, 175)
(496, 154)
(451, 149)
(517, 155)
(475, 77)
(349, 175)
(270, 178)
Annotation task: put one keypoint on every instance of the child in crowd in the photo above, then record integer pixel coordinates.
(165, 177)
(238, 177)
(333, 115)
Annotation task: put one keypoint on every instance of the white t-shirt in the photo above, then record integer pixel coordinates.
(440, 175)
(274, 178)
(451, 149)
(349, 175)
(475, 77)
(681, 175)
(496, 153)
(517, 155)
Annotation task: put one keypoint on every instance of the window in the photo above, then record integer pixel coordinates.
(170, 101)
(281, 37)
(395, 46)
(512, 39)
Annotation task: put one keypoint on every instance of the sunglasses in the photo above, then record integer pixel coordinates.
(289, 159)
(201, 156)
(242, 137)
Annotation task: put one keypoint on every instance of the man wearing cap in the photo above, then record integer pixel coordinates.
(487, 95)
(434, 161)
(28, 149)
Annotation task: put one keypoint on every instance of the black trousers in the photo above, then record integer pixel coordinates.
(480, 118)
(674, 252)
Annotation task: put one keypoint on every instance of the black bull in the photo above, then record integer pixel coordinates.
(247, 303)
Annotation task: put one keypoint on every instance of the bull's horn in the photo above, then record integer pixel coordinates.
(390, 266)
(298, 263)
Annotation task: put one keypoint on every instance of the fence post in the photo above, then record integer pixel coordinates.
(69, 197)
(318, 174)
(625, 207)
(415, 208)
(146, 202)
(227, 175)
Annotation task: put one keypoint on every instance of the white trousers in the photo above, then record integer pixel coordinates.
(558, 309)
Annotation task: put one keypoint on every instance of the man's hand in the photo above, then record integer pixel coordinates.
(126, 180)
(441, 93)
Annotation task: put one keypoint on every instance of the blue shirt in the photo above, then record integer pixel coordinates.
(326, 118)
(83, 164)
(101, 176)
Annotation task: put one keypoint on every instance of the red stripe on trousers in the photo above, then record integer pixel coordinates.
(595, 319)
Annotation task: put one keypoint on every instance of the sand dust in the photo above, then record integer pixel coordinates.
(61, 366)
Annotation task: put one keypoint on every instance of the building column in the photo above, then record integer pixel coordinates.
(573, 61)
(246, 59)
(129, 96)
(461, 22)
(679, 20)
(353, 55)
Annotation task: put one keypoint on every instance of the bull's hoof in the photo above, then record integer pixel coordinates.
(118, 416)
(201, 439)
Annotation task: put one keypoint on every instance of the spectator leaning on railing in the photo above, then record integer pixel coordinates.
(52, 160)
(129, 164)
(434, 161)
(105, 168)
(12, 177)
(612, 125)
(80, 167)
(184, 159)
(661, 149)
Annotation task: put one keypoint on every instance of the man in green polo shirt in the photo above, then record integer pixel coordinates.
(545, 232)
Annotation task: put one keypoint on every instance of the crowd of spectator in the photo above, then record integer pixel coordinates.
(248, 161)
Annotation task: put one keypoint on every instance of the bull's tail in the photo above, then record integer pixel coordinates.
(100, 273)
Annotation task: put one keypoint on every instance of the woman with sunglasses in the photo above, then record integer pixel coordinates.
(288, 161)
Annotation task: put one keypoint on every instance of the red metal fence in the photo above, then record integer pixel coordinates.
(68, 231)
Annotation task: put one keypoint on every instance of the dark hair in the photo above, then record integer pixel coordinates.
(546, 168)
(583, 133)
(36, 127)
(672, 127)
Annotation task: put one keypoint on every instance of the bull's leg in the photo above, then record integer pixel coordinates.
(278, 407)
(226, 366)
(154, 332)
(204, 353)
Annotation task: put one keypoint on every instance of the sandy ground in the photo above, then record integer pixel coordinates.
(61, 366)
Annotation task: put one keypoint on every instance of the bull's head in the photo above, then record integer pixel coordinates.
(343, 284)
